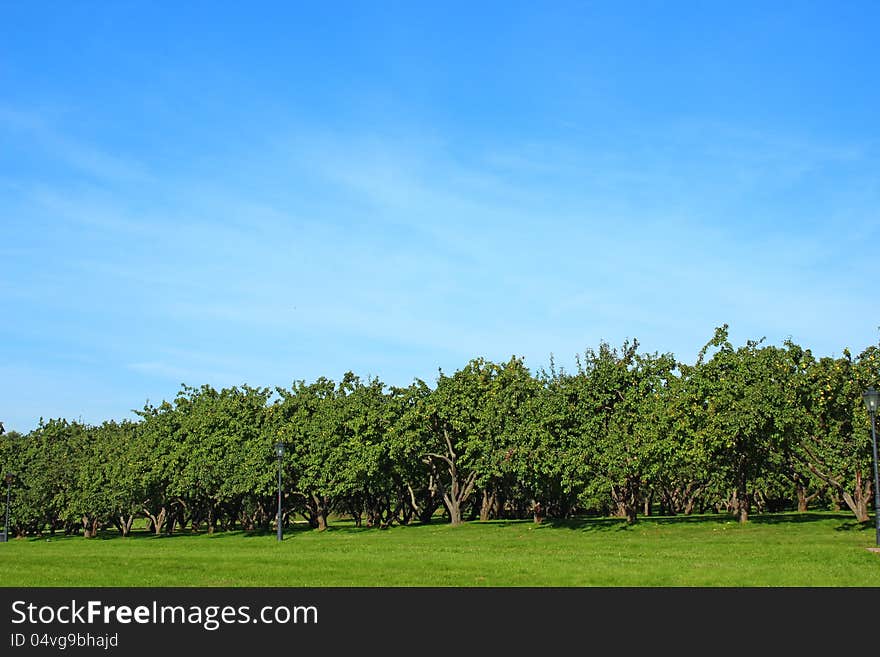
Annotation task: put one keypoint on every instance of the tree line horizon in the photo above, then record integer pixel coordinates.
(750, 428)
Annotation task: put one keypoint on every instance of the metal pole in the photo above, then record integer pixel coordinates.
(279, 497)
(876, 479)
(6, 524)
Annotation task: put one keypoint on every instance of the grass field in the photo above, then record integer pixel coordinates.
(809, 549)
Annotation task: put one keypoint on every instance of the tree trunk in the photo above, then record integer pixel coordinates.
(458, 492)
(625, 499)
(454, 508)
(156, 520)
(89, 526)
(123, 523)
(498, 511)
(801, 498)
(424, 512)
(537, 513)
(487, 506)
(742, 507)
(859, 504)
(427, 512)
(320, 512)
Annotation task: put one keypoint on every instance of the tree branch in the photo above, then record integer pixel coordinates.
(448, 443)
(449, 461)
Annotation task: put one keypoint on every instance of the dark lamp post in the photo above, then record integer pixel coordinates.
(279, 452)
(872, 400)
(8, 478)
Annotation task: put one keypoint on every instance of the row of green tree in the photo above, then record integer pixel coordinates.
(757, 427)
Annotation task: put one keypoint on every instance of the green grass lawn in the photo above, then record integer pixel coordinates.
(810, 549)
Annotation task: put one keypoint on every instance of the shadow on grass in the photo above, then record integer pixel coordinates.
(854, 525)
(581, 523)
(619, 524)
(587, 524)
(110, 534)
(797, 517)
(847, 521)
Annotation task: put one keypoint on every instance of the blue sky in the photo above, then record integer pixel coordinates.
(258, 193)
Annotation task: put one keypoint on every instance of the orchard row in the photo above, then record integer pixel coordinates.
(742, 429)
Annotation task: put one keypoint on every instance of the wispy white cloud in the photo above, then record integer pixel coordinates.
(396, 255)
(85, 158)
